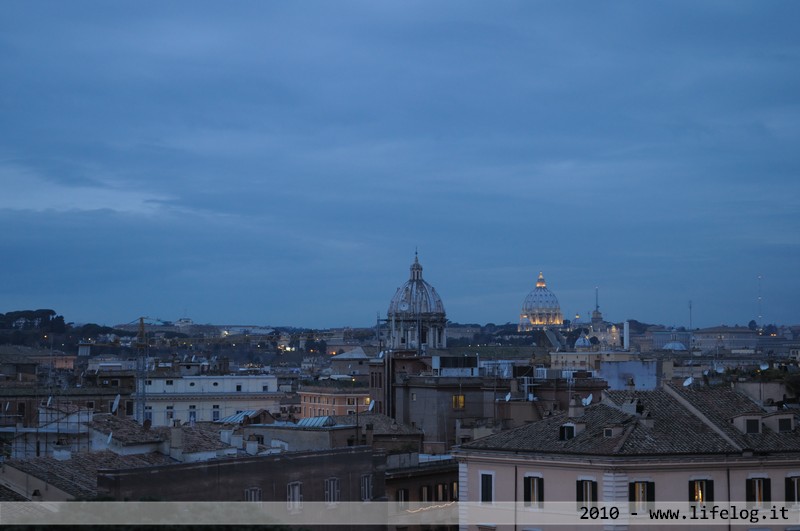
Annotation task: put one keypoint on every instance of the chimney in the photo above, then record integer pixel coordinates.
(575, 407)
(176, 441)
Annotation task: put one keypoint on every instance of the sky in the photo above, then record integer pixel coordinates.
(279, 163)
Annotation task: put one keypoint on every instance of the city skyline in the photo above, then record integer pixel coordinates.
(281, 164)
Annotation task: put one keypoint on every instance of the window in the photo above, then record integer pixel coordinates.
(253, 494)
(192, 413)
(441, 492)
(566, 432)
(401, 497)
(640, 493)
(757, 491)
(90, 404)
(366, 487)
(238, 387)
(215, 412)
(148, 413)
(351, 401)
(265, 388)
(215, 384)
(793, 490)
(168, 382)
(425, 493)
(608, 432)
(454, 491)
(701, 491)
(586, 491)
(169, 414)
(533, 491)
(294, 496)
(753, 426)
(413, 397)
(784, 425)
(458, 401)
(191, 384)
(129, 408)
(148, 382)
(331, 490)
(487, 488)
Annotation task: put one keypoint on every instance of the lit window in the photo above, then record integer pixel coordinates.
(533, 491)
(458, 401)
(757, 491)
(701, 491)
(640, 493)
(586, 491)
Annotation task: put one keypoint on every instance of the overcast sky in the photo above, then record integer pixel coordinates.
(278, 163)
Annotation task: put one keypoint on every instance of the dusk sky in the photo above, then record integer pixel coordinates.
(278, 163)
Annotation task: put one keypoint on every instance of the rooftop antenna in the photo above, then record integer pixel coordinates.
(596, 299)
(759, 300)
(690, 315)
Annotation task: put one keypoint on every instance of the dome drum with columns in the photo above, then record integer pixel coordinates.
(416, 315)
(540, 309)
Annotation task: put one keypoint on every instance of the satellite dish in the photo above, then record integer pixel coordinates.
(508, 397)
(108, 441)
(705, 372)
(115, 405)
(720, 370)
(688, 381)
(49, 399)
(371, 406)
(764, 366)
(7, 404)
(588, 400)
(531, 398)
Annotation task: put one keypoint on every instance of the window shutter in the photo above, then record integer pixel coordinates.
(767, 490)
(594, 491)
(579, 491)
(631, 491)
(651, 491)
(541, 490)
(526, 490)
(710, 487)
(749, 491)
(791, 495)
(691, 491)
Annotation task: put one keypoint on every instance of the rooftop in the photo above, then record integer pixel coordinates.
(691, 420)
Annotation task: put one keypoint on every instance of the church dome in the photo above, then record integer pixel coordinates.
(540, 309)
(416, 297)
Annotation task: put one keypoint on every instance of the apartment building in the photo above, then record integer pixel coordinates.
(689, 443)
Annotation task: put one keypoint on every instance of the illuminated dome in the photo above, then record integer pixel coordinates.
(416, 314)
(540, 309)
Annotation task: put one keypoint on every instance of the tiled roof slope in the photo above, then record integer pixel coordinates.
(674, 429)
(78, 475)
(202, 437)
(123, 430)
(721, 404)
